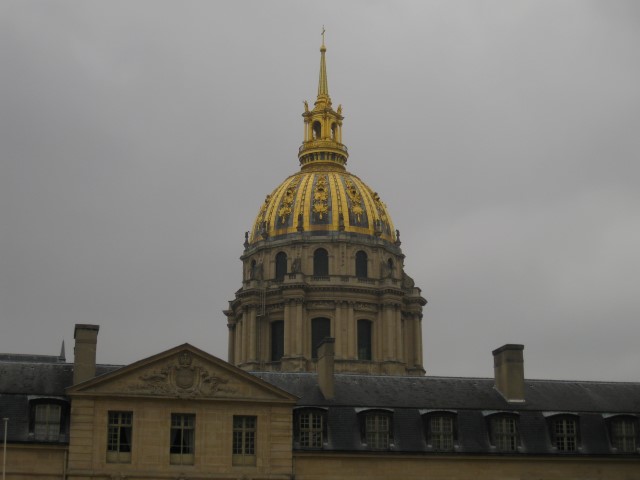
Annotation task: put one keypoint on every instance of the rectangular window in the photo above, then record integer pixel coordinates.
(624, 434)
(364, 340)
(565, 434)
(119, 437)
(441, 432)
(320, 329)
(182, 439)
(311, 426)
(505, 433)
(46, 426)
(277, 340)
(244, 440)
(377, 431)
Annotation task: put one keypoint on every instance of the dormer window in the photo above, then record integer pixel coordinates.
(440, 427)
(504, 432)
(376, 427)
(48, 420)
(310, 427)
(623, 430)
(564, 432)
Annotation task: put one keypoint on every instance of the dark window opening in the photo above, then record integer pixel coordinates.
(320, 329)
(277, 340)
(361, 264)
(281, 266)
(320, 263)
(317, 131)
(364, 340)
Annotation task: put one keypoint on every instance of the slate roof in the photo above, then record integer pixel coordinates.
(471, 400)
(24, 378)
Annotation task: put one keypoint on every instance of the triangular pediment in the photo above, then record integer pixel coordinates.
(183, 372)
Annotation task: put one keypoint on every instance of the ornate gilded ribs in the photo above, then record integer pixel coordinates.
(286, 205)
(320, 207)
(356, 208)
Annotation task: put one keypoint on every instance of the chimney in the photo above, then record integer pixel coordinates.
(326, 351)
(508, 368)
(84, 352)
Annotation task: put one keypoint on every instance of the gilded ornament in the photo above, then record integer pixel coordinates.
(356, 200)
(287, 201)
(321, 197)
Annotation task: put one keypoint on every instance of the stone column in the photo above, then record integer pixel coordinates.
(288, 330)
(299, 327)
(252, 336)
(417, 338)
(397, 313)
(231, 346)
(352, 332)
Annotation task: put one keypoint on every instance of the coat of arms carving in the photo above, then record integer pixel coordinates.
(182, 379)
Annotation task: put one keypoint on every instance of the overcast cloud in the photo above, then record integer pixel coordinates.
(138, 140)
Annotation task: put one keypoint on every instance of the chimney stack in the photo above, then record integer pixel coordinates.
(508, 367)
(326, 352)
(84, 352)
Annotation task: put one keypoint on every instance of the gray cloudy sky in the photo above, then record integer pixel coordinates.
(138, 140)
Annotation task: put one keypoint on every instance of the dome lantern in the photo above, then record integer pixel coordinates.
(322, 143)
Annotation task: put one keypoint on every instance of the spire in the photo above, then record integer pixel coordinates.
(322, 144)
(323, 85)
(62, 356)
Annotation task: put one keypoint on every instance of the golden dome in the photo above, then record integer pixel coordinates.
(323, 201)
(323, 198)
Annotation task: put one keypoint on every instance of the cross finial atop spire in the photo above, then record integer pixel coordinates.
(323, 86)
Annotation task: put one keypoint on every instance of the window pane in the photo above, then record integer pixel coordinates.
(623, 434)
(119, 437)
(565, 434)
(182, 438)
(310, 428)
(47, 422)
(441, 432)
(505, 433)
(244, 440)
(377, 431)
